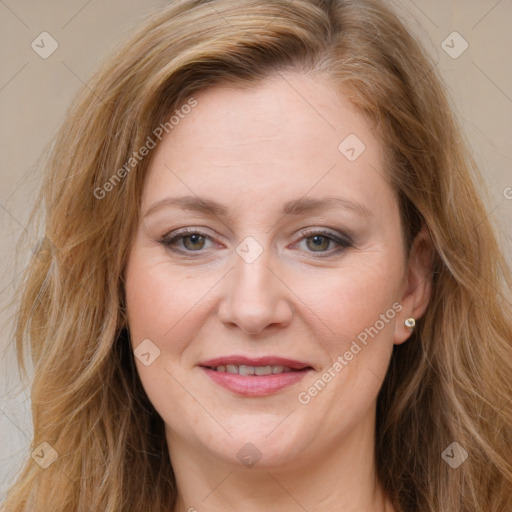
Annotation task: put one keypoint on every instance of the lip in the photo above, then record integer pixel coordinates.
(252, 385)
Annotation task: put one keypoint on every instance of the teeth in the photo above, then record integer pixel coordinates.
(245, 370)
(262, 370)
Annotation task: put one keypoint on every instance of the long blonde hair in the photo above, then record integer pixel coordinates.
(451, 382)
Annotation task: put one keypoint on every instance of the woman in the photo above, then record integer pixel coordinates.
(268, 281)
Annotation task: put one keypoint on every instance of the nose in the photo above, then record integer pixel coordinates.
(255, 297)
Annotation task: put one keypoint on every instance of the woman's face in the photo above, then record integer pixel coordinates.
(266, 329)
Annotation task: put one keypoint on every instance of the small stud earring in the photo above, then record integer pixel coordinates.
(410, 324)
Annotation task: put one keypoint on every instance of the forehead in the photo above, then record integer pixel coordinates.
(287, 135)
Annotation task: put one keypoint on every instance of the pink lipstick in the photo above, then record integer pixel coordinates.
(254, 376)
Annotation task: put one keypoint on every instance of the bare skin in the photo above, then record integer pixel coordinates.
(306, 297)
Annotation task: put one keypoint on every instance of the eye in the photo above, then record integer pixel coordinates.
(188, 241)
(319, 241)
(192, 240)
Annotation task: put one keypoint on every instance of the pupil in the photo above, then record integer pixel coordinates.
(194, 240)
(319, 240)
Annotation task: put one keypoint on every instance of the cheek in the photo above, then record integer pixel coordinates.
(354, 298)
(169, 305)
(359, 305)
(165, 308)
(160, 303)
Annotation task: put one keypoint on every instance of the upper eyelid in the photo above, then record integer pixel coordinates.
(306, 232)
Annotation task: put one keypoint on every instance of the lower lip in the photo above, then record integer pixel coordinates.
(251, 385)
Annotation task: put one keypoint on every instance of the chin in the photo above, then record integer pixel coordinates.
(270, 443)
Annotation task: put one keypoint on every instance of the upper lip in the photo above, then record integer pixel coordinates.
(255, 361)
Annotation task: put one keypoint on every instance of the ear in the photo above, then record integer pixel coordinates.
(417, 285)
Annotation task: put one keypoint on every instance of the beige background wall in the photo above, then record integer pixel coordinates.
(34, 93)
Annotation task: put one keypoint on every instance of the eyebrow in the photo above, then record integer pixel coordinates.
(294, 207)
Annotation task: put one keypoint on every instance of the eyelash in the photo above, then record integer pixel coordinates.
(344, 241)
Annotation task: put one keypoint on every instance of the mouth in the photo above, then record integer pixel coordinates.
(245, 370)
(254, 376)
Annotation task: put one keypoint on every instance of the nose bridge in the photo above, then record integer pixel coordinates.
(252, 274)
(251, 261)
(255, 298)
